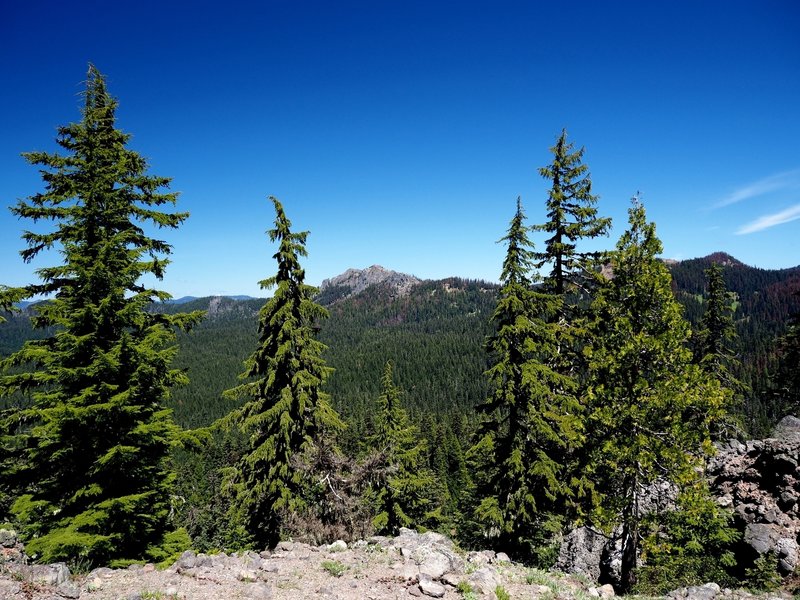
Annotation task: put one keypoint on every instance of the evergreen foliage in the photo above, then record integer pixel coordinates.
(713, 348)
(651, 409)
(91, 438)
(688, 545)
(571, 216)
(531, 419)
(765, 301)
(399, 498)
(285, 409)
(787, 377)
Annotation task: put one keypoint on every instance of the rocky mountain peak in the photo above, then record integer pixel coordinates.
(357, 280)
(724, 259)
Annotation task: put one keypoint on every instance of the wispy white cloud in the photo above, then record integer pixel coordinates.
(765, 222)
(773, 183)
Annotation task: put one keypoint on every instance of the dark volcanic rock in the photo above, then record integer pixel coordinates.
(759, 481)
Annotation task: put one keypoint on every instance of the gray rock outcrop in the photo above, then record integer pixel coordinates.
(759, 481)
(357, 280)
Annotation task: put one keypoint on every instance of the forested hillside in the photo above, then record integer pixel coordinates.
(763, 300)
(434, 335)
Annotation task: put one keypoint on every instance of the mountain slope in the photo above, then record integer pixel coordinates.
(434, 332)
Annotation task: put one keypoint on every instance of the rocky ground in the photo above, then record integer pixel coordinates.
(411, 565)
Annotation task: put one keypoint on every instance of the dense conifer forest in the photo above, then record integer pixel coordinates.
(502, 414)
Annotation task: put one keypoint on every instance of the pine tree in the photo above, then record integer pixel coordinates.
(713, 347)
(285, 409)
(95, 438)
(714, 340)
(531, 420)
(572, 216)
(651, 409)
(400, 498)
(787, 378)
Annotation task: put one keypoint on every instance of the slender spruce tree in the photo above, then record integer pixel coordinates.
(399, 499)
(571, 217)
(786, 383)
(92, 438)
(285, 409)
(531, 421)
(651, 409)
(713, 348)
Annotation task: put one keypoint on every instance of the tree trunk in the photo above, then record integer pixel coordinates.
(630, 537)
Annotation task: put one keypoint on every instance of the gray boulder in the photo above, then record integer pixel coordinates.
(431, 588)
(54, 574)
(760, 481)
(581, 552)
(484, 581)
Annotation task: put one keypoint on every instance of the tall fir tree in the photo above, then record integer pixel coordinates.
(531, 421)
(786, 383)
(400, 498)
(571, 216)
(94, 439)
(713, 347)
(651, 409)
(285, 409)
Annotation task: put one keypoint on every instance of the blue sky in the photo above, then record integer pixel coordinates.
(401, 132)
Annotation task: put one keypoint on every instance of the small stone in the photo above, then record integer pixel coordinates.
(502, 557)
(480, 558)
(69, 590)
(54, 574)
(247, 575)
(148, 568)
(203, 560)
(270, 567)
(171, 592)
(218, 560)
(435, 565)
(484, 580)
(259, 591)
(8, 538)
(606, 591)
(431, 588)
(452, 579)
(708, 591)
(187, 561)
(337, 546)
(409, 571)
(592, 591)
(414, 591)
